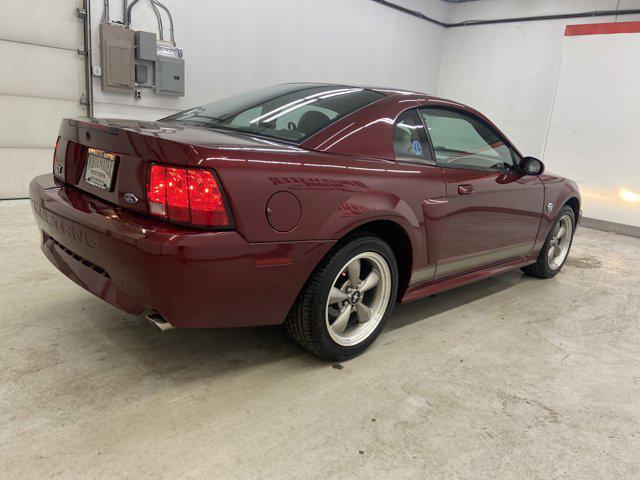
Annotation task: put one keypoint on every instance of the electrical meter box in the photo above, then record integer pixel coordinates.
(116, 57)
(169, 75)
(145, 53)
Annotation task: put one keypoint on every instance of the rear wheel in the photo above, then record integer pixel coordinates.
(556, 248)
(346, 301)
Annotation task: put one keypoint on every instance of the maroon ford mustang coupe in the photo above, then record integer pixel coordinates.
(315, 205)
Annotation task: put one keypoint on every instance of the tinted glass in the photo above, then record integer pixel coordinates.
(461, 140)
(410, 139)
(286, 112)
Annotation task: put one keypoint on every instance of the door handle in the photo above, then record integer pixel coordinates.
(465, 189)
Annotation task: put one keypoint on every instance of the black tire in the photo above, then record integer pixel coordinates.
(541, 268)
(306, 322)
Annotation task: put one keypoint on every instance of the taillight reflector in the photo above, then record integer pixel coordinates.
(157, 191)
(191, 196)
(55, 152)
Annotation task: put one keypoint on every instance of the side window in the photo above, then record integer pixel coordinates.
(410, 139)
(463, 141)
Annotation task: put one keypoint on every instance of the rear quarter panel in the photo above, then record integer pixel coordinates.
(336, 193)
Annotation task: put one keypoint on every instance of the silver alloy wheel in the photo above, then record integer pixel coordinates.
(358, 299)
(560, 242)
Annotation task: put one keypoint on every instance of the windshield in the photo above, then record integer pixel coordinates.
(289, 112)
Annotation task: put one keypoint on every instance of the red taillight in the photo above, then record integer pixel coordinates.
(186, 195)
(205, 199)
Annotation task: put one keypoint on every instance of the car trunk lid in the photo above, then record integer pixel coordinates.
(128, 147)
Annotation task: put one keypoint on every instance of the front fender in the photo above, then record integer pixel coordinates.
(557, 192)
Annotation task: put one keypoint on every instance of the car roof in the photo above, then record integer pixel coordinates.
(365, 132)
(388, 91)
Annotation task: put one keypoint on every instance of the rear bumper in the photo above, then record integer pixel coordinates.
(194, 279)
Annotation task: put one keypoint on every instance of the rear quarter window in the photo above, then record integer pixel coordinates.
(292, 115)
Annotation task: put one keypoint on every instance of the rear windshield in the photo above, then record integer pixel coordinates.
(290, 112)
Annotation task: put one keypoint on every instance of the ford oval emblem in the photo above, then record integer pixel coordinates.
(130, 198)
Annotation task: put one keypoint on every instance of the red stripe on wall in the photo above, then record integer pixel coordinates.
(602, 28)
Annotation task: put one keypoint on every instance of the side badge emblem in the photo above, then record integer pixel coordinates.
(130, 198)
(549, 207)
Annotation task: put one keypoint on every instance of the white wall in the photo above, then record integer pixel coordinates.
(236, 46)
(593, 134)
(510, 73)
(41, 79)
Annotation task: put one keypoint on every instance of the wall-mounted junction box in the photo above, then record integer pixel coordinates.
(136, 59)
(169, 75)
(116, 58)
(145, 53)
(158, 65)
(146, 45)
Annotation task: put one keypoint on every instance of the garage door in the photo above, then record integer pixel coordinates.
(41, 80)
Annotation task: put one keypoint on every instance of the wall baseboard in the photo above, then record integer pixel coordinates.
(613, 227)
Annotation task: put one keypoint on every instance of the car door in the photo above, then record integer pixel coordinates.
(493, 211)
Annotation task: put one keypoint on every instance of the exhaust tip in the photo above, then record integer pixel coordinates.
(159, 321)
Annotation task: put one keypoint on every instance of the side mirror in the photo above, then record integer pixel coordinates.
(531, 166)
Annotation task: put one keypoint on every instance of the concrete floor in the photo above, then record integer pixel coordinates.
(510, 378)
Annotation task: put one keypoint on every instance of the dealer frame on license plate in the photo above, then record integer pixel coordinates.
(100, 169)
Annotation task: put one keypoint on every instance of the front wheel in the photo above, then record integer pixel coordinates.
(346, 301)
(556, 248)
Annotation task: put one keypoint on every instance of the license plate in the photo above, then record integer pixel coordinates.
(100, 169)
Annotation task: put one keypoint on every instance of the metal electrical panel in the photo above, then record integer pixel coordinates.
(145, 50)
(146, 44)
(116, 55)
(158, 65)
(169, 75)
